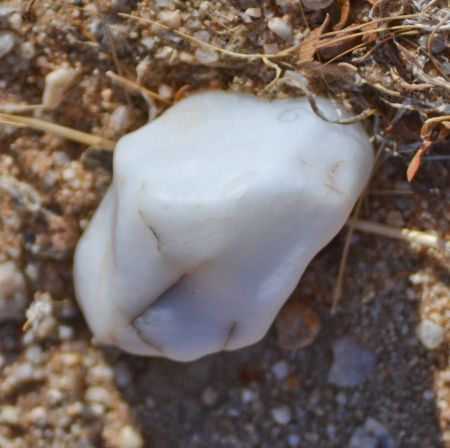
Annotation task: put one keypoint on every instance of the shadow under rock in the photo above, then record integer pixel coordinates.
(231, 399)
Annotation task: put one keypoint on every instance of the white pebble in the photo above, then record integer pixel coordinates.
(119, 119)
(253, 12)
(38, 416)
(280, 370)
(27, 50)
(148, 42)
(281, 415)
(247, 395)
(34, 354)
(6, 43)
(165, 91)
(97, 394)
(430, 334)
(56, 84)
(170, 18)
(15, 20)
(129, 437)
(65, 332)
(206, 56)
(280, 28)
(10, 415)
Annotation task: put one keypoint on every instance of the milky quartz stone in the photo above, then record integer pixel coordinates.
(214, 212)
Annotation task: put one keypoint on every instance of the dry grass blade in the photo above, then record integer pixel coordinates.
(337, 294)
(62, 131)
(112, 45)
(412, 236)
(134, 86)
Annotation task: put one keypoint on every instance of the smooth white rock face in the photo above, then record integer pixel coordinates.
(215, 210)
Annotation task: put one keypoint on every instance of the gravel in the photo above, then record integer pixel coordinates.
(389, 286)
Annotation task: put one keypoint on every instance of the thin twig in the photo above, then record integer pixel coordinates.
(111, 45)
(412, 236)
(135, 86)
(337, 294)
(62, 131)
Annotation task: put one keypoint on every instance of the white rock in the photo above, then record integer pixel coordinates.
(316, 5)
(56, 84)
(215, 210)
(280, 28)
(430, 334)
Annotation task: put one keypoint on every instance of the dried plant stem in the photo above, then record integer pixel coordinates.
(127, 83)
(412, 236)
(11, 108)
(62, 131)
(337, 294)
(112, 45)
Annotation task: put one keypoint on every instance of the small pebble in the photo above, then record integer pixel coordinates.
(206, 56)
(56, 84)
(280, 28)
(12, 290)
(280, 370)
(293, 440)
(247, 395)
(430, 334)
(6, 43)
(37, 416)
(119, 119)
(10, 415)
(170, 18)
(281, 415)
(165, 91)
(97, 394)
(27, 50)
(297, 326)
(253, 12)
(351, 365)
(129, 437)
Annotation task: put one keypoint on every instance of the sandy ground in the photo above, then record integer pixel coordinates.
(365, 381)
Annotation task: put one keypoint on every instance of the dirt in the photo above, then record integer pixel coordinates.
(58, 388)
